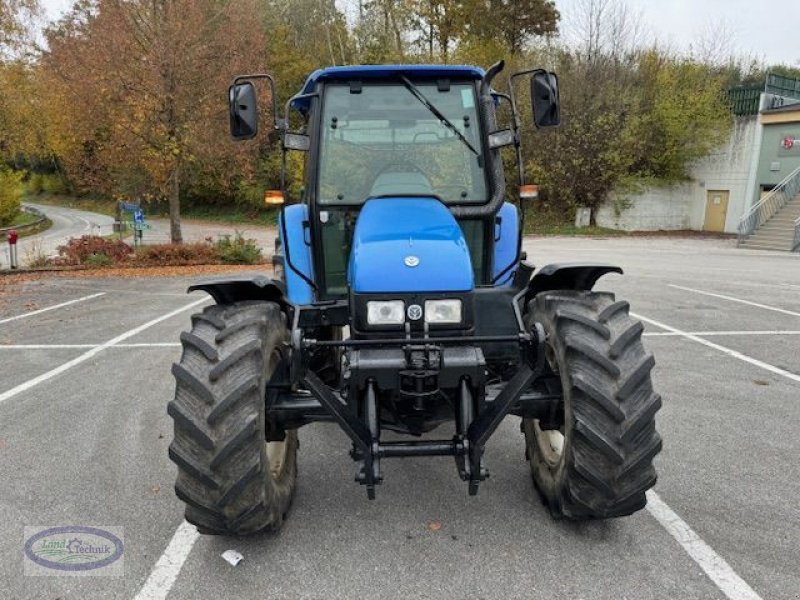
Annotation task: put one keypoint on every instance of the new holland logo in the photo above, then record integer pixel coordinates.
(415, 312)
(411, 260)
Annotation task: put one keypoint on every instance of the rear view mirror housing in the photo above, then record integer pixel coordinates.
(545, 102)
(243, 106)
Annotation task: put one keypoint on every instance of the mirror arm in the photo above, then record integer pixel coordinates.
(283, 127)
(515, 126)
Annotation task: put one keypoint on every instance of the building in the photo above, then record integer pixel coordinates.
(749, 186)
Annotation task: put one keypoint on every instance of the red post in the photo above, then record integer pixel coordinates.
(12, 243)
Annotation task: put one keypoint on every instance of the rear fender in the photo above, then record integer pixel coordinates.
(238, 289)
(568, 276)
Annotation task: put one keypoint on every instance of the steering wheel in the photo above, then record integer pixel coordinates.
(401, 166)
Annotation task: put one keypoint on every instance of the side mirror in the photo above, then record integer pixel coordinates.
(544, 99)
(243, 111)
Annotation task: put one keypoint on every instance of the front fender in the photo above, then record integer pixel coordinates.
(568, 276)
(238, 289)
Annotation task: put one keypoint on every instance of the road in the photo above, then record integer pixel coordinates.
(67, 223)
(84, 436)
(71, 222)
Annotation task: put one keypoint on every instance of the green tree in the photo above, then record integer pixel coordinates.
(512, 21)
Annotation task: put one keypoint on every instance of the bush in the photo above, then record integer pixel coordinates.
(98, 260)
(35, 183)
(10, 195)
(237, 250)
(78, 251)
(54, 183)
(176, 255)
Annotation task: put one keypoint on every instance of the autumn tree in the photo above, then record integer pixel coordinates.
(144, 84)
(628, 113)
(17, 18)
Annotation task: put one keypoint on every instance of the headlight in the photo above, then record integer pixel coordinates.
(386, 312)
(443, 311)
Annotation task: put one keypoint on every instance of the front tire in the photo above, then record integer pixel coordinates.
(232, 481)
(596, 461)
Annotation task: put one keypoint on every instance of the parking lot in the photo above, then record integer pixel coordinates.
(85, 379)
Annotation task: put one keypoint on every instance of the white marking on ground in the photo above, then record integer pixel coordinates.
(717, 569)
(23, 387)
(47, 346)
(713, 333)
(85, 346)
(734, 353)
(49, 308)
(169, 564)
(739, 300)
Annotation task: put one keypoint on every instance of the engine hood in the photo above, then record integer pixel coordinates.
(408, 245)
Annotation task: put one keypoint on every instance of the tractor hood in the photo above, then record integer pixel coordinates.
(408, 245)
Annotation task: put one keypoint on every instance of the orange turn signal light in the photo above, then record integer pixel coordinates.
(273, 197)
(529, 192)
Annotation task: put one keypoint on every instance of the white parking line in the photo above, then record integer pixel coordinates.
(55, 306)
(739, 300)
(169, 564)
(84, 346)
(94, 351)
(723, 349)
(713, 333)
(717, 569)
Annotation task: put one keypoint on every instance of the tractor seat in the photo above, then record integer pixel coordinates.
(398, 184)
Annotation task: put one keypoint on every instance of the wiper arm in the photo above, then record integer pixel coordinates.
(415, 91)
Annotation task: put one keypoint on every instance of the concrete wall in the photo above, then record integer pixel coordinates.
(682, 206)
(776, 161)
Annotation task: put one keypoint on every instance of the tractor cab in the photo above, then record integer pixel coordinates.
(402, 170)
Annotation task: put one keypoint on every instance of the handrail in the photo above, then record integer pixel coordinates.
(796, 244)
(765, 209)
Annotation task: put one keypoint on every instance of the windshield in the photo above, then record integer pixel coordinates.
(384, 141)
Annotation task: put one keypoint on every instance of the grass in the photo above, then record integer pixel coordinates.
(103, 207)
(570, 229)
(25, 218)
(22, 218)
(232, 215)
(548, 223)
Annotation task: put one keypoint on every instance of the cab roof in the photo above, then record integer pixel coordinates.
(364, 72)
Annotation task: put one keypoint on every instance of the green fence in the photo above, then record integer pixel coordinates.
(745, 99)
(783, 86)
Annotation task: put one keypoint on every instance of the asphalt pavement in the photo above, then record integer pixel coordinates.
(84, 435)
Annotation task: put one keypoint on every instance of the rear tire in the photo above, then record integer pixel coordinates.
(232, 481)
(599, 463)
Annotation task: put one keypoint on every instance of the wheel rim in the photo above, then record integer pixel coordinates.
(276, 456)
(550, 442)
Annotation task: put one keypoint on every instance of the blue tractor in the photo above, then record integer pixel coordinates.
(401, 302)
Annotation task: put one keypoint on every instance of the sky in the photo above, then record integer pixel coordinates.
(767, 31)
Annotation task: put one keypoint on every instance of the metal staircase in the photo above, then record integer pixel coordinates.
(773, 223)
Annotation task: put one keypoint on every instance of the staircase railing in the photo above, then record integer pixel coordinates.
(765, 209)
(796, 244)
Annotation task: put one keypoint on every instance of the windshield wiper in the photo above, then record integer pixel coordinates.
(415, 91)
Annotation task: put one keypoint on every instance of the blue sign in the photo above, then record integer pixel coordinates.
(127, 206)
(138, 216)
